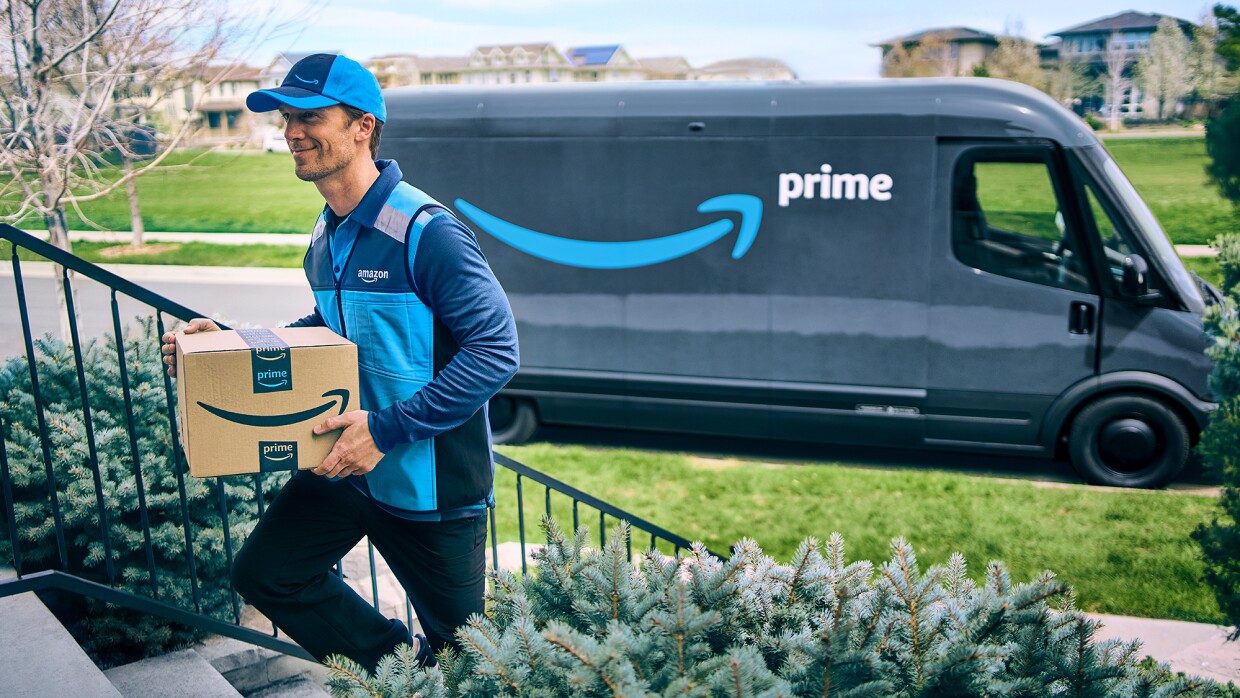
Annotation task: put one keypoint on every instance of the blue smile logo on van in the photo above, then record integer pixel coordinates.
(627, 254)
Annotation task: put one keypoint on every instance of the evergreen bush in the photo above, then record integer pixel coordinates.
(109, 633)
(592, 623)
(1223, 148)
(1220, 442)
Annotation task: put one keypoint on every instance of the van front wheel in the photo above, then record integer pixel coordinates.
(512, 421)
(1128, 441)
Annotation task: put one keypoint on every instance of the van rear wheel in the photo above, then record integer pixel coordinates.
(1128, 441)
(512, 421)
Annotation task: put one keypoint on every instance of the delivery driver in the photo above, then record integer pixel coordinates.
(394, 271)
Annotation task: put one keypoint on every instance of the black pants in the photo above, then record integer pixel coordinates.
(284, 570)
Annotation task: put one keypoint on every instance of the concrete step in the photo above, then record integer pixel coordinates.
(252, 669)
(183, 673)
(300, 687)
(40, 658)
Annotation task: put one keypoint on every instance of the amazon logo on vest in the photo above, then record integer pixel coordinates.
(628, 254)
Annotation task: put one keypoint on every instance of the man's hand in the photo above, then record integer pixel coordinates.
(169, 349)
(355, 452)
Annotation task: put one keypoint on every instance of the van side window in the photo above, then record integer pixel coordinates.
(1116, 240)
(1007, 220)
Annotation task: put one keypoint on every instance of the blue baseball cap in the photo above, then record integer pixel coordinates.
(322, 80)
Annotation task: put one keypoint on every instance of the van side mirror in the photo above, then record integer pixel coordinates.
(1135, 284)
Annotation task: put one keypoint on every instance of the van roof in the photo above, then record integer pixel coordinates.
(953, 107)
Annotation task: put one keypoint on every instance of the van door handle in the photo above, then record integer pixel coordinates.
(1081, 318)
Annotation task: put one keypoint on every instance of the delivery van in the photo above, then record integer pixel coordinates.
(950, 264)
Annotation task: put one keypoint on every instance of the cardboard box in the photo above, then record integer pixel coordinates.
(248, 400)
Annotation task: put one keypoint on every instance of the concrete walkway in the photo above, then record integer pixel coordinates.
(1197, 649)
(304, 240)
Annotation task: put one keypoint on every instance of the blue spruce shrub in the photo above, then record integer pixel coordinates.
(592, 623)
(112, 634)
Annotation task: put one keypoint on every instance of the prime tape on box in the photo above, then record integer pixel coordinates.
(248, 400)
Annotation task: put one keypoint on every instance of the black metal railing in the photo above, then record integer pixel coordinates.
(64, 569)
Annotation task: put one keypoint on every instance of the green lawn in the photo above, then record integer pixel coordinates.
(1206, 267)
(233, 192)
(1125, 552)
(220, 192)
(201, 254)
(1169, 173)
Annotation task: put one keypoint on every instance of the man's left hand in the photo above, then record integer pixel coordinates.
(355, 453)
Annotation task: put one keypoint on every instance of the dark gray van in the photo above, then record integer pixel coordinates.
(947, 264)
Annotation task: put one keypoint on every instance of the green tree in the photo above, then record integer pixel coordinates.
(1220, 443)
(1228, 47)
(1223, 148)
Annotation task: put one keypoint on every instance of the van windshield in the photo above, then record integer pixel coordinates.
(1149, 229)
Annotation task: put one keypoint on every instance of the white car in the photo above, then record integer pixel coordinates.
(275, 143)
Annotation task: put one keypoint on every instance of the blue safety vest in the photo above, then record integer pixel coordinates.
(401, 346)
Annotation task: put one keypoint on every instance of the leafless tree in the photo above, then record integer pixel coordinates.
(1067, 81)
(1203, 56)
(1018, 59)
(930, 57)
(77, 76)
(1116, 80)
(1164, 71)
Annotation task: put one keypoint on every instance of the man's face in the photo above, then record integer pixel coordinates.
(322, 140)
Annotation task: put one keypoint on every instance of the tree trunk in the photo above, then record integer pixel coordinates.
(135, 207)
(1116, 105)
(58, 235)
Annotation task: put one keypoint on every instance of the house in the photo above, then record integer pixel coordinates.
(393, 70)
(441, 70)
(604, 64)
(212, 100)
(666, 68)
(1120, 39)
(402, 69)
(517, 64)
(965, 48)
(746, 69)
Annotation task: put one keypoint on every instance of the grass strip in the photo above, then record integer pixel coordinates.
(1125, 552)
(196, 254)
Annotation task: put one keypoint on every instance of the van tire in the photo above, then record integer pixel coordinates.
(1128, 441)
(513, 422)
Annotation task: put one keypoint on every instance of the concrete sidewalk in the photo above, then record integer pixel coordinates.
(304, 240)
(1197, 649)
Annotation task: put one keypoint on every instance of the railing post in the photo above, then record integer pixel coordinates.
(228, 554)
(521, 522)
(133, 447)
(37, 394)
(10, 516)
(177, 460)
(494, 542)
(88, 426)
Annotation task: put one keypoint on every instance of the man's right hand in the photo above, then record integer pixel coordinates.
(169, 349)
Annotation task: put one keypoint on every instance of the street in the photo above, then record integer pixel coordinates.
(235, 295)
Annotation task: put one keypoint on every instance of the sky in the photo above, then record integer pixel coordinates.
(818, 39)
